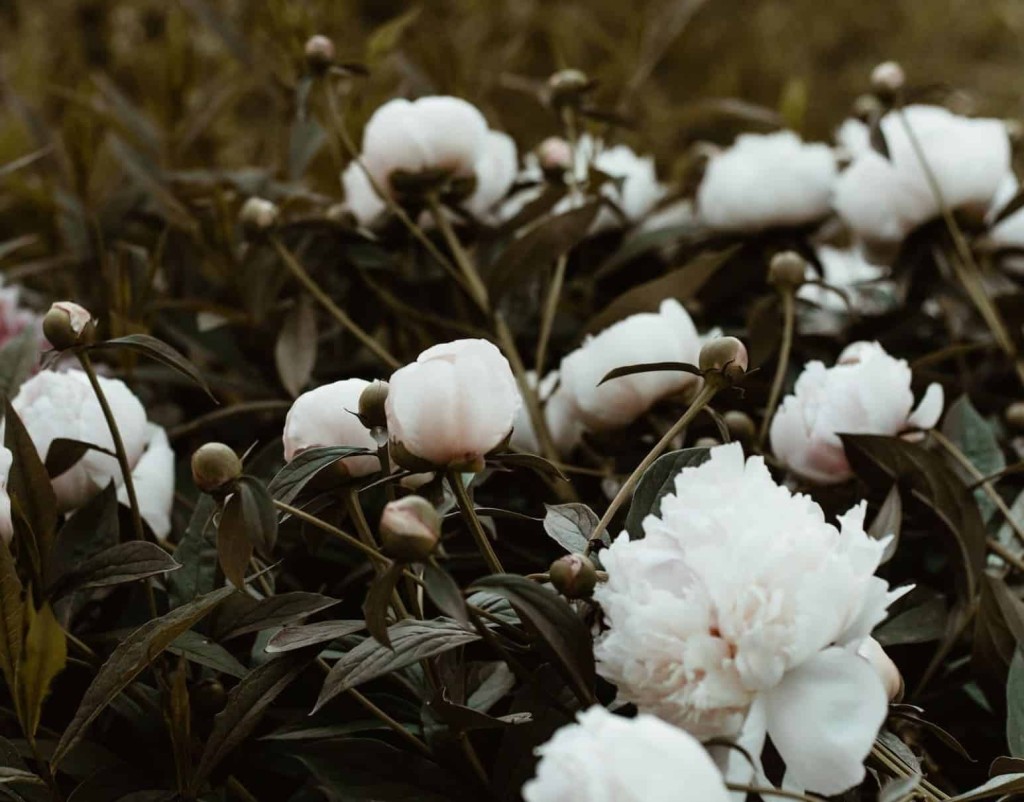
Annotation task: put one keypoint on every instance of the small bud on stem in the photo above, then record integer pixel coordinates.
(258, 216)
(67, 324)
(320, 54)
(568, 87)
(574, 576)
(725, 357)
(787, 271)
(887, 81)
(215, 468)
(410, 529)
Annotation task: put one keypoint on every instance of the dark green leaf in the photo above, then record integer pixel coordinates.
(32, 497)
(973, 435)
(202, 651)
(998, 786)
(920, 624)
(888, 522)
(259, 514)
(42, 659)
(234, 546)
(274, 611)
(1015, 705)
(445, 593)
(294, 476)
(125, 562)
(565, 635)
(532, 462)
(570, 525)
(159, 351)
(378, 601)
(197, 555)
(411, 641)
(302, 635)
(657, 482)
(650, 367)
(129, 659)
(12, 617)
(64, 453)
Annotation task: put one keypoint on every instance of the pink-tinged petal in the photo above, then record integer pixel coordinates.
(823, 718)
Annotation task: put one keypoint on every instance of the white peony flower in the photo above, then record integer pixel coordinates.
(740, 613)
(6, 522)
(62, 405)
(560, 414)
(884, 199)
(664, 336)
(433, 134)
(872, 651)
(454, 404)
(327, 416)
(847, 269)
(767, 180)
(866, 392)
(603, 757)
(14, 318)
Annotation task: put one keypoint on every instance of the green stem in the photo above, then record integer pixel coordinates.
(473, 522)
(344, 537)
(335, 311)
(122, 461)
(707, 392)
(469, 272)
(788, 327)
(550, 309)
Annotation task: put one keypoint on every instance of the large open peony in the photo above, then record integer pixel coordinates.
(741, 612)
(607, 758)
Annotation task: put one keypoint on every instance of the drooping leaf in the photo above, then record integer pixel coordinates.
(274, 611)
(570, 525)
(295, 351)
(203, 651)
(129, 659)
(566, 637)
(445, 593)
(378, 601)
(294, 476)
(411, 641)
(657, 482)
(245, 706)
(64, 453)
(234, 546)
(259, 514)
(650, 367)
(533, 462)
(125, 562)
(299, 636)
(42, 659)
(160, 352)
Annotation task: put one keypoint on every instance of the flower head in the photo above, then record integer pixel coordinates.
(603, 757)
(739, 597)
(767, 180)
(327, 416)
(866, 392)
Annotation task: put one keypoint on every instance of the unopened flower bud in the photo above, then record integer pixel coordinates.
(568, 87)
(867, 107)
(706, 442)
(319, 54)
(371, 405)
(258, 216)
(887, 79)
(788, 270)
(409, 529)
(1015, 414)
(554, 154)
(725, 356)
(872, 651)
(67, 324)
(208, 697)
(741, 426)
(574, 576)
(215, 467)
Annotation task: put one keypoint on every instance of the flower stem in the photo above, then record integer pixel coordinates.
(707, 392)
(469, 272)
(550, 309)
(123, 464)
(969, 272)
(788, 327)
(355, 543)
(335, 311)
(475, 527)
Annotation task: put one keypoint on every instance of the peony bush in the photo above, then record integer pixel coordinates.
(428, 461)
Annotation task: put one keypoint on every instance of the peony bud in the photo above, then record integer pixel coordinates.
(872, 651)
(554, 154)
(706, 442)
(567, 87)
(67, 324)
(741, 426)
(214, 467)
(887, 80)
(371, 405)
(787, 270)
(409, 529)
(725, 356)
(208, 697)
(258, 216)
(1015, 414)
(867, 108)
(319, 54)
(574, 576)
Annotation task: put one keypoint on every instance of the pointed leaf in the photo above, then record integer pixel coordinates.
(299, 636)
(159, 351)
(445, 593)
(12, 617)
(274, 611)
(201, 650)
(378, 600)
(570, 525)
(44, 657)
(125, 562)
(64, 453)
(650, 367)
(295, 351)
(294, 476)
(657, 482)
(234, 546)
(31, 493)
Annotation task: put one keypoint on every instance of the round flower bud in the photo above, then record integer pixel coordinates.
(867, 107)
(724, 355)
(741, 426)
(554, 154)
(1015, 414)
(574, 576)
(319, 54)
(567, 87)
(409, 529)
(788, 269)
(214, 467)
(67, 324)
(208, 697)
(887, 79)
(258, 216)
(706, 442)
(371, 405)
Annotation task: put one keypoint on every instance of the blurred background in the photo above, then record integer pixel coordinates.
(214, 80)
